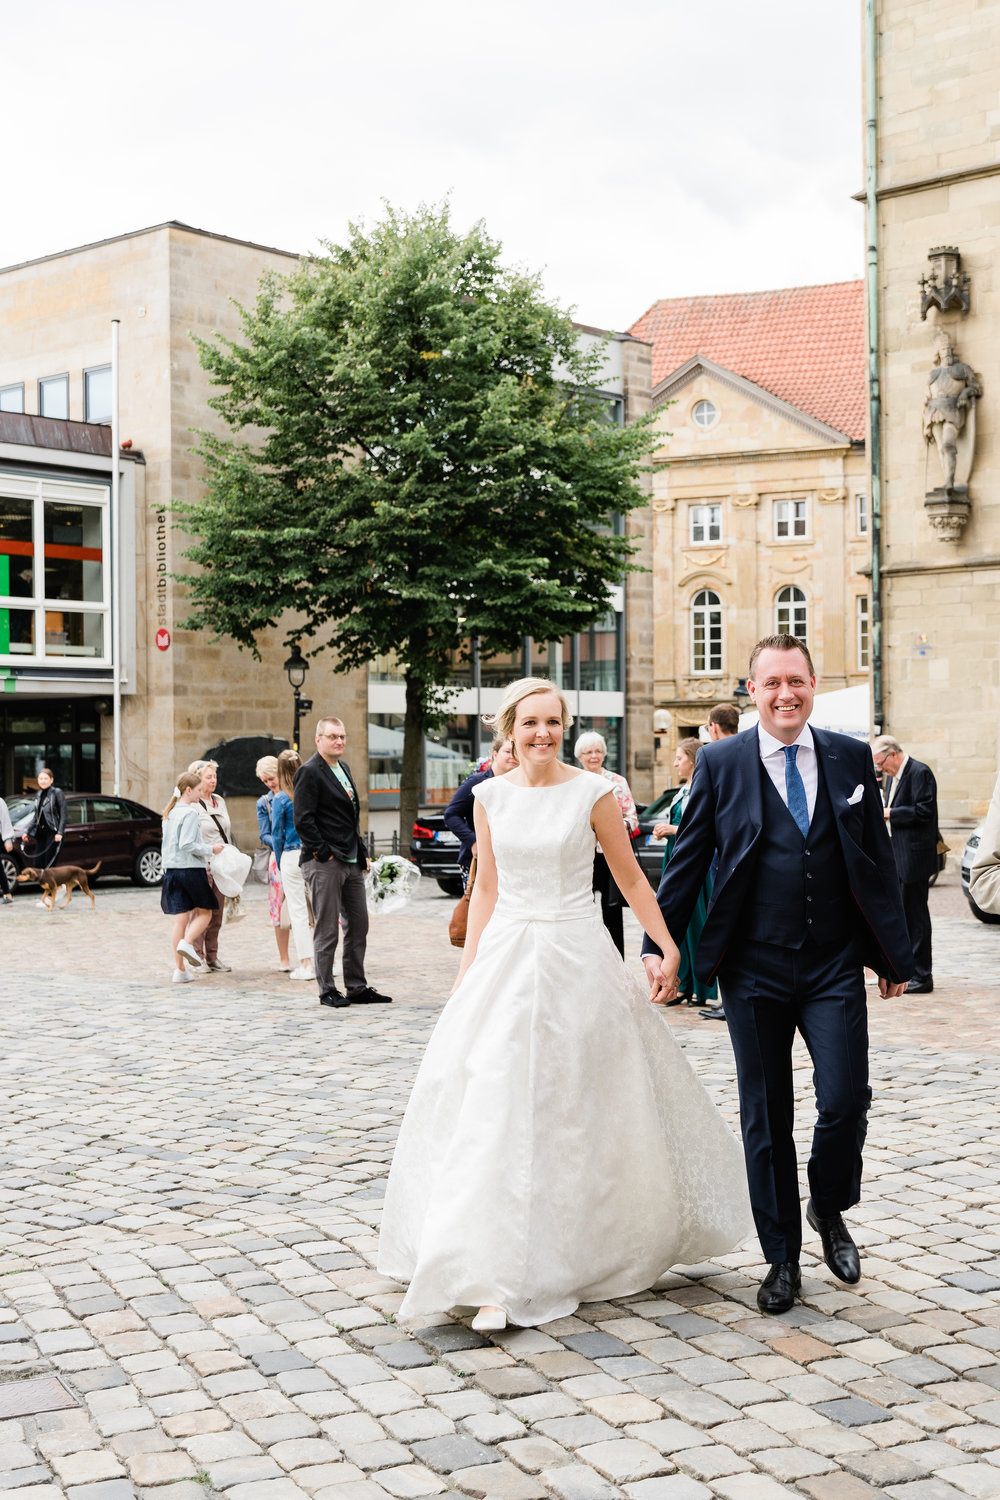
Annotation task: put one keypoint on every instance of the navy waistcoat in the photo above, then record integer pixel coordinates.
(800, 890)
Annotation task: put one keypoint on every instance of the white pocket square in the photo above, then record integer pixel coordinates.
(856, 796)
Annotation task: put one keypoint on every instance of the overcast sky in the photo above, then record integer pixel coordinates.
(630, 151)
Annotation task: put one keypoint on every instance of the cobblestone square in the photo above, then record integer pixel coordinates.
(191, 1181)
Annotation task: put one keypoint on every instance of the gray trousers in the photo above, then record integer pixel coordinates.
(337, 891)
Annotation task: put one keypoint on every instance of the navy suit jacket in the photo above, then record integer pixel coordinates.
(725, 812)
(913, 819)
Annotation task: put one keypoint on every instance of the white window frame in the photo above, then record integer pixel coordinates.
(45, 380)
(863, 632)
(704, 604)
(704, 401)
(40, 492)
(795, 608)
(861, 521)
(793, 512)
(16, 386)
(706, 517)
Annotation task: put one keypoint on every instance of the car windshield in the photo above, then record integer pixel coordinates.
(661, 804)
(20, 809)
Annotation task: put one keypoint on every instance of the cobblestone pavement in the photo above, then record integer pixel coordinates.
(190, 1185)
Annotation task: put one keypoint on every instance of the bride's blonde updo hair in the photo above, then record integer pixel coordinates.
(502, 722)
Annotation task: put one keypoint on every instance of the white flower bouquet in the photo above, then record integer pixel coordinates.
(390, 883)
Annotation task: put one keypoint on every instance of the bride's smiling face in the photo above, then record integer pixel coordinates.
(538, 728)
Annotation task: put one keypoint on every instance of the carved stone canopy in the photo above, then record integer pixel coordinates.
(947, 285)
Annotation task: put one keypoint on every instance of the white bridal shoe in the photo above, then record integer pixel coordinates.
(489, 1320)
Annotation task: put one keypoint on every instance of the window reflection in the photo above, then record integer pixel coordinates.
(73, 552)
(16, 551)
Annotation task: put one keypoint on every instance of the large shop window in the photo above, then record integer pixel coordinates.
(53, 572)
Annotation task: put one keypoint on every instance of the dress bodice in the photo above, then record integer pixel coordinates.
(544, 846)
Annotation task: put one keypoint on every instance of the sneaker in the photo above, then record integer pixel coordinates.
(189, 955)
(302, 973)
(368, 996)
(218, 967)
(181, 976)
(333, 997)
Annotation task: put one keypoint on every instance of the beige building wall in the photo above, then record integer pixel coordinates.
(938, 74)
(753, 455)
(165, 284)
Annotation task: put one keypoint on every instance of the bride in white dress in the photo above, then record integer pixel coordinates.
(557, 1147)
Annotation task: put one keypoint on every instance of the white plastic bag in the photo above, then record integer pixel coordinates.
(390, 883)
(230, 868)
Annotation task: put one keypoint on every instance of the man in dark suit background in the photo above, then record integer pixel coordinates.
(334, 861)
(909, 792)
(805, 895)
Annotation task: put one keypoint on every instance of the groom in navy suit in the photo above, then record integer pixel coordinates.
(805, 896)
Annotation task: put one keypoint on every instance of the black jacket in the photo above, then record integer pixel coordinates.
(326, 819)
(913, 823)
(458, 815)
(50, 812)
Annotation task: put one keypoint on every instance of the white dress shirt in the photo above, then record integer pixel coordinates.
(772, 754)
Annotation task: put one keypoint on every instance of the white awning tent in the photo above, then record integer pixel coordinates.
(847, 710)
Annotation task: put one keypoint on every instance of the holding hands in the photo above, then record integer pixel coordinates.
(662, 975)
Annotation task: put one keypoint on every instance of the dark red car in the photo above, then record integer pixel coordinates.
(122, 834)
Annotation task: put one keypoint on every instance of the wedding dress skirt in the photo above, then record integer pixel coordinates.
(557, 1147)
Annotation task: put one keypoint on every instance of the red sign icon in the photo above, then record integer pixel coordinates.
(162, 640)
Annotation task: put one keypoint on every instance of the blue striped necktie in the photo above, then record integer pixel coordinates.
(795, 791)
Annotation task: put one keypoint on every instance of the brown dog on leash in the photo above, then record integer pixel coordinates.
(50, 880)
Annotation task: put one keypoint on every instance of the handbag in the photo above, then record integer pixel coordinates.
(261, 860)
(458, 926)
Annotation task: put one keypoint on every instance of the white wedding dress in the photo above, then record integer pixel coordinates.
(557, 1147)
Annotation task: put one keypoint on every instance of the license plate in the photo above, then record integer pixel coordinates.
(445, 836)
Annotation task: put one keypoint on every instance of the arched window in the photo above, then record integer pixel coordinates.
(791, 614)
(706, 632)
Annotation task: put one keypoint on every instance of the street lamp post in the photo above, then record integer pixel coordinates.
(296, 668)
(742, 694)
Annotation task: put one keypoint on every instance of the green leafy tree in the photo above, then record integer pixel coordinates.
(418, 460)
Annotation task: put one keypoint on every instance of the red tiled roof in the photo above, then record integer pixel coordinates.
(804, 344)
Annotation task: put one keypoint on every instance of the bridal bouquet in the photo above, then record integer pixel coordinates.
(390, 883)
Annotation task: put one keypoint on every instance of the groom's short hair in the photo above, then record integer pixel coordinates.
(780, 643)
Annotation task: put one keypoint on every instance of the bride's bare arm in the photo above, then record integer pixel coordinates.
(606, 820)
(484, 892)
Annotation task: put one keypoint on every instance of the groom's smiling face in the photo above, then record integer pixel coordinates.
(783, 690)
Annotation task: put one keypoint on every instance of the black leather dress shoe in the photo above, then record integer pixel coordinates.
(922, 987)
(839, 1250)
(367, 996)
(333, 997)
(713, 1013)
(778, 1290)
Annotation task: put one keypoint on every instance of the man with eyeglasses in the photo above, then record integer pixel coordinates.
(909, 794)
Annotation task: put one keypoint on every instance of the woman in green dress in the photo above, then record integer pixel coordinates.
(690, 988)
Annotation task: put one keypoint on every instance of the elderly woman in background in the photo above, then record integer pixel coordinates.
(689, 986)
(591, 751)
(267, 772)
(215, 825)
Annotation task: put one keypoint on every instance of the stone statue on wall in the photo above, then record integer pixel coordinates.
(949, 418)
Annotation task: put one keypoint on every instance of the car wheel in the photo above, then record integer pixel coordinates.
(451, 885)
(979, 914)
(148, 867)
(10, 870)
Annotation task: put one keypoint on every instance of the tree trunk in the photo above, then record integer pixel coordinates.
(409, 789)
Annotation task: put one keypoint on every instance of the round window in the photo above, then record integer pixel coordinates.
(704, 413)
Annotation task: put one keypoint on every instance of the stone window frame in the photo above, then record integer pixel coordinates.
(789, 610)
(862, 513)
(792, 519)
(706, 526)
(707, 633)
(704, 403)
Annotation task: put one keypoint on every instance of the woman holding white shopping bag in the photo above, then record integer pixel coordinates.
(287, 850)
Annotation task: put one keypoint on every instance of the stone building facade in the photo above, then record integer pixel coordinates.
(760, 503)
(935, 178)
(164, 284)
